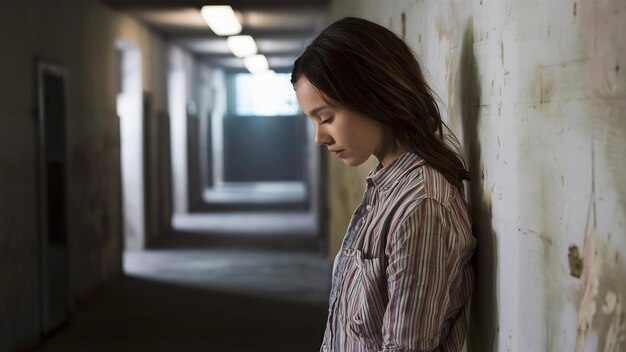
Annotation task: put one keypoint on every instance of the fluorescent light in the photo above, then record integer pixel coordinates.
(221, 19)
(256, 63)
(241, 45)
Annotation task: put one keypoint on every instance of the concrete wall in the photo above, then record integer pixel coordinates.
(197, 136)
(190, 100)
(184, 98)
(264, 149)
(218, 114)
(535, 90)
(81, 36)
(153, 62)
(206, 104)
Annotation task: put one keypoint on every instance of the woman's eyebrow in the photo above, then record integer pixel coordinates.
(316, 110)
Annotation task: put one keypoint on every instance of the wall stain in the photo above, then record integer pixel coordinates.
(451, 73)
(575, 12)
(546, 91)
(440, 27)
(403, 25)
(607, 88)
(501, 51)
(542, 88)
(575, 261)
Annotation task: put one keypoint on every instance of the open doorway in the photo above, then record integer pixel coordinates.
(130, 113)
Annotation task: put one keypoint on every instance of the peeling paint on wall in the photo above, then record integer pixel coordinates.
(602, 314)
(602, 310)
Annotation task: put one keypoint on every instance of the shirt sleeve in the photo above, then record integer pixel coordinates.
(420, 264)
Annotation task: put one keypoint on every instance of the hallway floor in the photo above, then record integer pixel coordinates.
(196, 292)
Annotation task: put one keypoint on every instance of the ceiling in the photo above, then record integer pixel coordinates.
(280, 28)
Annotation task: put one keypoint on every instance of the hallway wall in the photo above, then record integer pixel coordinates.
(536, 93)
(81, 36)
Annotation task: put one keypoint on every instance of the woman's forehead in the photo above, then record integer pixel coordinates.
(309, 97)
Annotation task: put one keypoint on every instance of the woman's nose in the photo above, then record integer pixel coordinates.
(321, 137)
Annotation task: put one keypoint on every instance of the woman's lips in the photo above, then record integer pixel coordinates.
(339, 153)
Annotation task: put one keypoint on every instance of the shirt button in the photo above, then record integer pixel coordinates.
(368, 207)
(325, 348)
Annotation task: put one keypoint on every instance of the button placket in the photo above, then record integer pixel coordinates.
(347, 251)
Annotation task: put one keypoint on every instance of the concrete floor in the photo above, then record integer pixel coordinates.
(199, 292)
(299, 223)
(256, 192)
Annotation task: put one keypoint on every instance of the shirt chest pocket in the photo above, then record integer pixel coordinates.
(367, 292)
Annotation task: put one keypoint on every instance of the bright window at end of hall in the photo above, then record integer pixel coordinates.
(265, 94)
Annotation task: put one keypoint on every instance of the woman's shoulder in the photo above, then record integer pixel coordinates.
(437, 187)
(425, 182)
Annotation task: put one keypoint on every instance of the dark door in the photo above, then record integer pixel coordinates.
(53, 202)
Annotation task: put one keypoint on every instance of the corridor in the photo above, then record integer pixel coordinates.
(161, 188)
(201, 292)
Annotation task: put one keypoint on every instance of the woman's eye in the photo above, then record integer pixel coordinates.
(328, 119)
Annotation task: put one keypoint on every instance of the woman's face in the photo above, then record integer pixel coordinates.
(351, 136)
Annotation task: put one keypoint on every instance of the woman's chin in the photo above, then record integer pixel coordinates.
(352, 161)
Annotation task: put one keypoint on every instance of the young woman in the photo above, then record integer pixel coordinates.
(402, 280)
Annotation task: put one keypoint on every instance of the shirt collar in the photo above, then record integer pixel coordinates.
(384, 177)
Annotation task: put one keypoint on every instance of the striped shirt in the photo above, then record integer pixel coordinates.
(402, 280)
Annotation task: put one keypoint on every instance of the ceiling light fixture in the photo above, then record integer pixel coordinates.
(256, 63)
(241, 45)
(221, 19)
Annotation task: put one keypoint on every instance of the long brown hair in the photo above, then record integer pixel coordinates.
(366, 68)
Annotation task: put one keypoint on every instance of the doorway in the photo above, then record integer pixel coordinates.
(130, 112)
(52, 166)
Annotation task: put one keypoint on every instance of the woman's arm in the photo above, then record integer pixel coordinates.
(423, 274)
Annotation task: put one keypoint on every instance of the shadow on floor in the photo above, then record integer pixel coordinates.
(207, 292)
(133, 314)
(278, 242)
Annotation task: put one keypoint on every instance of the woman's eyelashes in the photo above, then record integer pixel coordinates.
(328, 119)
